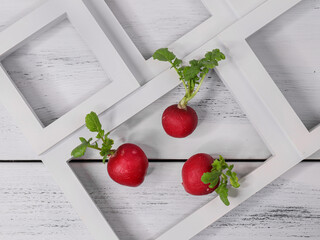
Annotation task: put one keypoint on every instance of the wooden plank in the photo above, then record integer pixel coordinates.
(79, 197)
(33, 207)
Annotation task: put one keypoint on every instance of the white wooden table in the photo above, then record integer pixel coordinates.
(53, 71)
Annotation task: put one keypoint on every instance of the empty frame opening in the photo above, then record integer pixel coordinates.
(152, 25)
(145, 212)
(55, 72)
(282, 47)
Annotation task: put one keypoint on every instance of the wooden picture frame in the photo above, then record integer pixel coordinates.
(231, 24)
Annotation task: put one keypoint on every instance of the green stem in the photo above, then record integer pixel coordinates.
(94, 147)
(184, 84)
(112, 152)
(197, 89)
(183, 103)
(189, 94)
(190, 90)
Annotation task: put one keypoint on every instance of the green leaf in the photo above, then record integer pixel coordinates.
(80, 150)
(190, 72)
(195, 63)
(233, 179)
(231, 167)
(214, 183)
(106, 147)
(94, 125)
(163, 54)
(177, 62)
(216, 165)
(209, 177)
(93, 122)
(83, 140)
(222, 172)
(210, 64)
(100, 134)
(224, 177)
(208, 56)
(109, 142)
(219, 164)
(212, 177)
(212, 58)
(222, 191)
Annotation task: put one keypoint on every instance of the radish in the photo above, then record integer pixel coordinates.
(181, 120)
(127, 165)
(201, 175)
(192, 172)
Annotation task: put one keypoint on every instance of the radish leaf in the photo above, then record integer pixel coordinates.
(210, 177)
(80, 150)
(94, 125)
(163, 54)
(222, 191)
(92, 122)
(193, 75)
(218, 173)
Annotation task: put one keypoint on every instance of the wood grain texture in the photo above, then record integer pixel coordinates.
(290, 55)
(57, 71)
(33, 207)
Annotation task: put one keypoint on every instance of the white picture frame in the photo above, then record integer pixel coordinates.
(276, 122)
(43, 17)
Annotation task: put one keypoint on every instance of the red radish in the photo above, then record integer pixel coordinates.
(128, 165)
(178, 122)
(192, 171)
(201, 175)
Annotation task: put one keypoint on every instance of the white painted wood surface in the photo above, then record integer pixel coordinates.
(224, 121)
(52, 72)
(33, 207)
